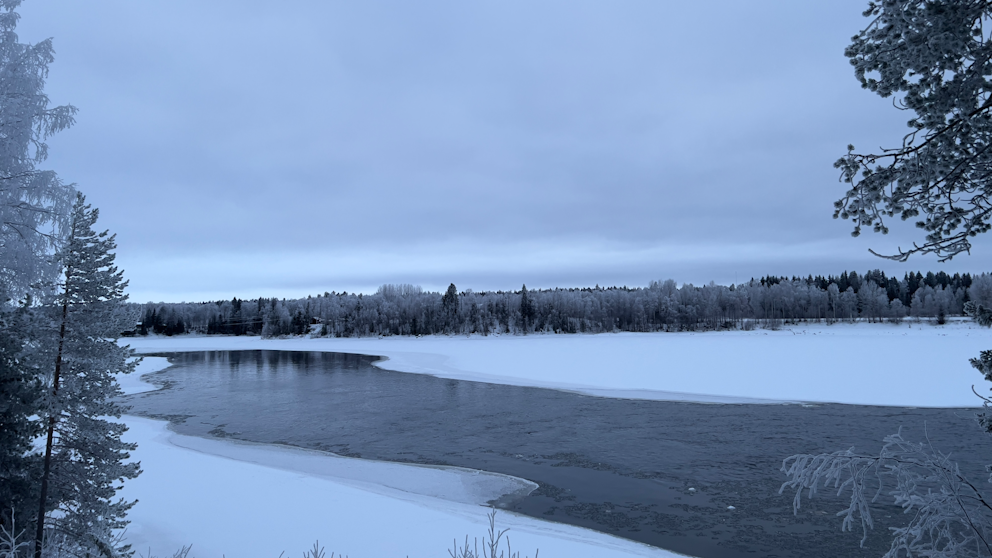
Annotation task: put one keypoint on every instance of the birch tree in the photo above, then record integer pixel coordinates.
(34, 207)
(34, 203)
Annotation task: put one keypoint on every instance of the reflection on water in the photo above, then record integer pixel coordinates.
(619, 466)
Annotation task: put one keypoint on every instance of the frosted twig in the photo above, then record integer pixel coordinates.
(951, 517)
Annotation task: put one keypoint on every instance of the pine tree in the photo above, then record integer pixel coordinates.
(85, 458)
(932, 57)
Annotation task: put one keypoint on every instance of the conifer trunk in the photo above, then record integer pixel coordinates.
(43, 499)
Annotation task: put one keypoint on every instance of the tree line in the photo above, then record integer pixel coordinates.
(661, 306)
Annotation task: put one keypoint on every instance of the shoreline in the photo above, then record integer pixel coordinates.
(193, 492)
(907, 365)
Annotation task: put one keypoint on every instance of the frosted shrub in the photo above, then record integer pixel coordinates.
(490, 546)
(950, 517)
(181, 553)
(12, 541)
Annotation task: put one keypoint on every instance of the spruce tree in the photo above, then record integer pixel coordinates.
(449, 304)
(527, 310)
(20, 390)
(85, 458)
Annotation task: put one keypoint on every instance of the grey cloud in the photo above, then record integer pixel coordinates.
(212, 130)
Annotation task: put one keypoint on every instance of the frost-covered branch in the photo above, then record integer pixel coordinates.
(950, 516)
(934, 58)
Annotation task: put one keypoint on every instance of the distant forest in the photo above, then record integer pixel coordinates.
(661, 306)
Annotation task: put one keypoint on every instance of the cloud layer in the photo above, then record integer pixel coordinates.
(242, 148)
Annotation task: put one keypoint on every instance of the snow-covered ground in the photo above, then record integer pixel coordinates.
(236, 499)
(913, 364)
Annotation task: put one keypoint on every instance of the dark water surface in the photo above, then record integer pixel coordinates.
(615, 465)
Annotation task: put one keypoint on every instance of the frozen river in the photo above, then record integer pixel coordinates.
(619, 466)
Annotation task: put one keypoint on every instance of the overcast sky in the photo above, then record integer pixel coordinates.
(246, 148)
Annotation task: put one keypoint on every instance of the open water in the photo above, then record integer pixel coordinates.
(619, 466)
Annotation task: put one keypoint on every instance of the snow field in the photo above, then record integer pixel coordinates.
(912, 364)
